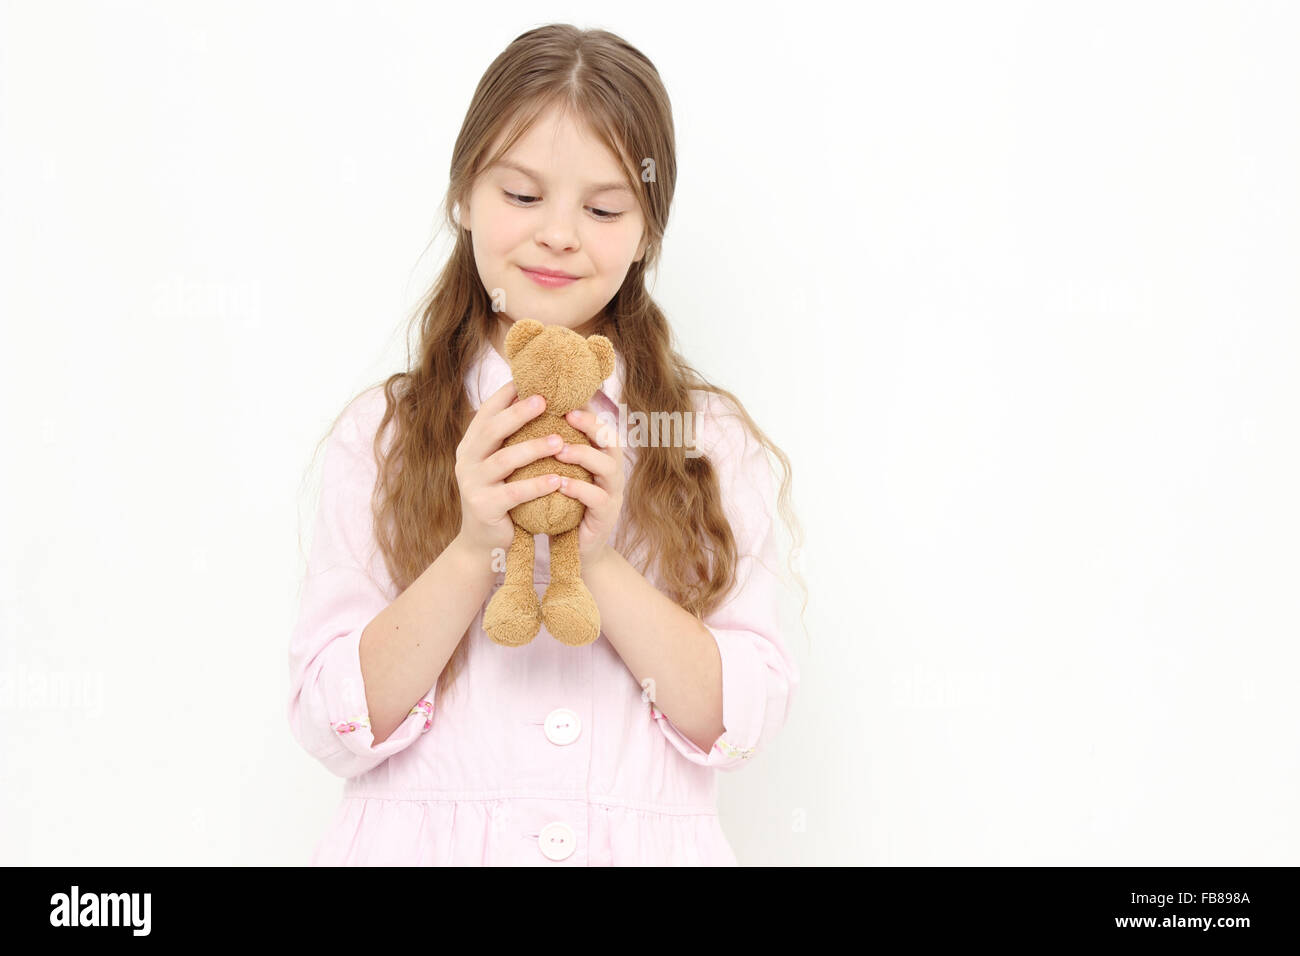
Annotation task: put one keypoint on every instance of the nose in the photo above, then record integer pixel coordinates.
(558, 232)
(558, 240)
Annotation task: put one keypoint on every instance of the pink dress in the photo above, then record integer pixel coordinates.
(541, 755)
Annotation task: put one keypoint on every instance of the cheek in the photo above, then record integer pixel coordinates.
(613, 249)
(500, 228)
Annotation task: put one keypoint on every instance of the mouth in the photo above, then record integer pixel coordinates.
(553, 273)
(549, 279)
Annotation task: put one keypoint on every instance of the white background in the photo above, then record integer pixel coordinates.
(1014, 285)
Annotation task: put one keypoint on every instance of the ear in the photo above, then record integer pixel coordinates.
(520, 334)
(603, 349)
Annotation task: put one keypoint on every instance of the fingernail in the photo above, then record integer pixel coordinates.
(555, 479)
(538, 401)
(554, 441)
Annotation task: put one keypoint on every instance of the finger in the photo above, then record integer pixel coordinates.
(506, 460)
(602, 434)
(499, 399)
(526, 489)
(493, 405)
(597, 462)
(584, 491)
(506, 421)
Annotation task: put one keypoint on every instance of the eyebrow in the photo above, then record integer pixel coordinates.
(592, 187)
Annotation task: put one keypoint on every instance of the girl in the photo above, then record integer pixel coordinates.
(458, 750)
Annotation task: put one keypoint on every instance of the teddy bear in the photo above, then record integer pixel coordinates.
(565, 369)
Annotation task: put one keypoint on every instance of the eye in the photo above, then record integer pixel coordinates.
(601, 214)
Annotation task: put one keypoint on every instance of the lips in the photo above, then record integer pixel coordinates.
(554, 273)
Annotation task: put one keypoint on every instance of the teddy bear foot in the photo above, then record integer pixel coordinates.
(513, 616)
(570, 613)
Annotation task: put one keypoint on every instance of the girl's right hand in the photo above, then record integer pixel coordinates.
(482, 465)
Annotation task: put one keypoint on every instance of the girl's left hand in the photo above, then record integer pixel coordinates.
(604, 499)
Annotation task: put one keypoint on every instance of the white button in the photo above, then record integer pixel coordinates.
(556, 841)
(562, 726)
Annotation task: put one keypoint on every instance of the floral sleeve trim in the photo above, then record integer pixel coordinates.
(347, 726)
(721, 745)
(744, 753)
(424, 707)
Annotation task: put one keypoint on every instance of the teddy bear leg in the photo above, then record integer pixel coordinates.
(568, 608)
(514, 616)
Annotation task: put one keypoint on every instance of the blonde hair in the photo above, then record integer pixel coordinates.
(672, 505)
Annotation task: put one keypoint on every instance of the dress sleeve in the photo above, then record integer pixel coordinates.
(759, 675)
(345, 586)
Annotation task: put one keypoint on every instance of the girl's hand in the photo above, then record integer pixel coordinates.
(604, 498)
(482, 465)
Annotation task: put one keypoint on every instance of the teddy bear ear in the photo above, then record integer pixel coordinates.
(603, 349)
(520, 334)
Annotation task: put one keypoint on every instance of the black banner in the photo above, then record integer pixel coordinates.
(1227, 905)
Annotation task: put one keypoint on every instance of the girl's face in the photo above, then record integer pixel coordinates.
(556, 201)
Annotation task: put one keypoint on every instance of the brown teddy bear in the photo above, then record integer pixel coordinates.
(565, 369)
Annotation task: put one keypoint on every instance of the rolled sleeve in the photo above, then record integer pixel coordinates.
(345, 586)
(759, 675)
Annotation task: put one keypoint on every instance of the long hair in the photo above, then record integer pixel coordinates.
(672, 505)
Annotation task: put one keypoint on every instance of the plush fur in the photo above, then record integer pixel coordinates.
(566, 369)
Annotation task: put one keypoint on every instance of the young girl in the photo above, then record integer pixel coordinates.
(456, 749)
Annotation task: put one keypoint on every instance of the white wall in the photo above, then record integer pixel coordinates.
(1015, 287)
